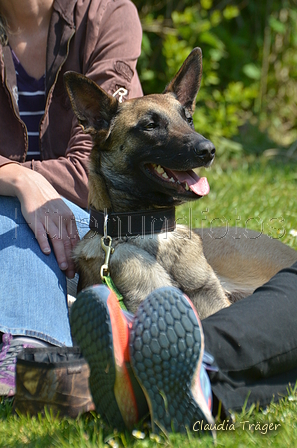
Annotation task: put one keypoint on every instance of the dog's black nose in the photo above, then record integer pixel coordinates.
(205, 150)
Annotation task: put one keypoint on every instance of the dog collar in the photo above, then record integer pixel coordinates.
(145, 222)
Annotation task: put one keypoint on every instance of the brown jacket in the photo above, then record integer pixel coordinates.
(99, 38)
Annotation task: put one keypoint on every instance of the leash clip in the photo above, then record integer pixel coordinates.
(106, 241)
(108, 249)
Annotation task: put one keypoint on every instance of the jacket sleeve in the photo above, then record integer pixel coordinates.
(110, 60)
(69, 174)
(5, 161)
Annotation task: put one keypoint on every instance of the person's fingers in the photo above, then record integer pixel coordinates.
(70, 271)
(63, 240)
(72, 231)
(60, 230)
(73, 238)
(55, 236)
(41, 236)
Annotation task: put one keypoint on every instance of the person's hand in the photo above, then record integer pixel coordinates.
(46, 214)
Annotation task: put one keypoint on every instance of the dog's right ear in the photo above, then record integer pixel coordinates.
(186, 83)
(93, 107)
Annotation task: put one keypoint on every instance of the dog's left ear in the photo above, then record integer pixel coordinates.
(93, 107)
(186, 83)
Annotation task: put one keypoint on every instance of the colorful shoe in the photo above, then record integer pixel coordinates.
(166, 349)
(101, 330)
(10, 348)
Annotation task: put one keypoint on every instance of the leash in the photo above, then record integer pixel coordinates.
(145, 222)
(104, 270)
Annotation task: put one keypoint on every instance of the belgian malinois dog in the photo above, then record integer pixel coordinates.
(141, 167)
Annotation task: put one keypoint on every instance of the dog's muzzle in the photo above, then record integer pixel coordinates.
(204, 149)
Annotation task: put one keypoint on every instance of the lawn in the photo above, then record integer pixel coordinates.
(275, 426)
(258, 194)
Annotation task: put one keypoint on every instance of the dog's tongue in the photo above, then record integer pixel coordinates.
(199, 185)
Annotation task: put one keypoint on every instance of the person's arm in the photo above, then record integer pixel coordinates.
(110, 58)
(68, 174)
(39, 204)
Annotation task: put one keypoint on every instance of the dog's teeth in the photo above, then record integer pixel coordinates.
(187, 187)
(159, 169)
(172, 180)
(165, 175)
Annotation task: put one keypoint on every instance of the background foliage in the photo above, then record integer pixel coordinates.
(247, 106)
(248, 92)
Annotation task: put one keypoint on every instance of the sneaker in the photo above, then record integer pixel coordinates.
(101, 330)
(10, 348)
(166, 348)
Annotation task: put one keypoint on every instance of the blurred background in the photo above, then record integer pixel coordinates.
(247, 103)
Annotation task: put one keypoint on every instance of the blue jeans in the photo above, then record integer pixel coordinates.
(33, 291)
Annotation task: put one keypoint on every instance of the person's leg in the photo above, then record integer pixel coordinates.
(254, 344)
(33, 288)
(101, 330)
(166, 348)
(163, 343)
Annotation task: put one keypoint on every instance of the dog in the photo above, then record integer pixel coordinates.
(141, 167)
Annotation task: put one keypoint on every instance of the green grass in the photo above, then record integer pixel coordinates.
(275, 427)
(260, 195)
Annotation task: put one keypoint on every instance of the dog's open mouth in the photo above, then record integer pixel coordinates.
(185, 181)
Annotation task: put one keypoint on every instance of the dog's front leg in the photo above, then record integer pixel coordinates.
(136, 274)
(208, 302)
(182, 256)
(202, 286)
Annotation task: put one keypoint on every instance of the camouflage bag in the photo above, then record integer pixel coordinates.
(56, 378)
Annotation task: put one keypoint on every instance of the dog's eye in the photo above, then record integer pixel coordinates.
(150, 126)
(188, 117)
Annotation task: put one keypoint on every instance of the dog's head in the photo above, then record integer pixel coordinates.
(145, 149)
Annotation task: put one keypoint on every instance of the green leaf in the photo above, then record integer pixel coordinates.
(212, 40)
(206, 4)
(252, 71)
(277, 26)
(230, 12)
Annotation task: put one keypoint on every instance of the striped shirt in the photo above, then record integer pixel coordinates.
(31, 103)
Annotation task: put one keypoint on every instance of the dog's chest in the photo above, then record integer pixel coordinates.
(178, 253)
(170, 249)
